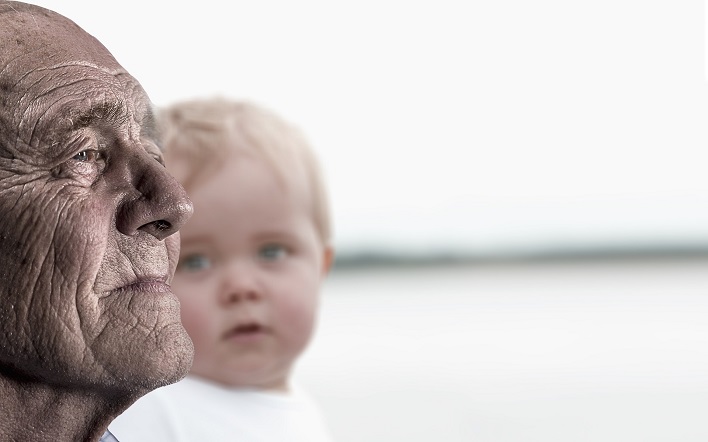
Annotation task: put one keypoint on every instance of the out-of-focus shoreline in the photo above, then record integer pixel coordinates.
(368, 259)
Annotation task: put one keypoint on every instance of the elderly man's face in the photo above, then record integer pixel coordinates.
(88, 215)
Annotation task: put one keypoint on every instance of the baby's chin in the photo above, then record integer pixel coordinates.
(246, 380)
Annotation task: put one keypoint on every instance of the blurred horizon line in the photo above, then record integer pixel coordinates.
(364, 258)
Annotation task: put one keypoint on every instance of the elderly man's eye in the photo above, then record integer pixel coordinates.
(87, 156)
(154, 151)
(159, 159)
(84, 167)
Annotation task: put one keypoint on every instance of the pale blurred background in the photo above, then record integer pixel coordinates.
(520, 199)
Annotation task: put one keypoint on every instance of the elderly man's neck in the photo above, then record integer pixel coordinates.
(35, 411)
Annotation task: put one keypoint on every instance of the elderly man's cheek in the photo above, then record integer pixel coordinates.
(45, 243)
(46, 303)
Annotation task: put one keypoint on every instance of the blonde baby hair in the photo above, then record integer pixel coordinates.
(200, 134)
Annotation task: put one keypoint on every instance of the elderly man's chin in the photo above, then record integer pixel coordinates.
(143, 345)
(154, 371)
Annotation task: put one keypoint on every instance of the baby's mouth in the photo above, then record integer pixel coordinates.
(245, 330)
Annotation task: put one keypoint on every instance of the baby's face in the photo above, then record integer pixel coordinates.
(248, 277)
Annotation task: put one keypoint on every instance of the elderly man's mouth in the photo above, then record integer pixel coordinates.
(147, 285)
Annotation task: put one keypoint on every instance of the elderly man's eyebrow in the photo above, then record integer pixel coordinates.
(115, 112)
(104, 111)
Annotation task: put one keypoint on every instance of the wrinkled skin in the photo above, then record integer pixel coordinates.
(88, 243)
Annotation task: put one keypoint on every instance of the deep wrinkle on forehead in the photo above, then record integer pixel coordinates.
(129, 114)
(43, 89)
(62, 80)
(48, 114)
(114, 72)
(112, 119)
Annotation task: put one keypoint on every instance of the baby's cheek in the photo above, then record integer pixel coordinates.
(199, 323)
(191, 317)
(299, 313)
(196, 318)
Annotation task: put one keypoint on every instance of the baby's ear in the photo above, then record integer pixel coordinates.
(327, 259)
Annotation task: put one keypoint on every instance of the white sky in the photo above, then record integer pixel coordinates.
(481, 124)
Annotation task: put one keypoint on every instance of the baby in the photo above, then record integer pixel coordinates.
(252, 260)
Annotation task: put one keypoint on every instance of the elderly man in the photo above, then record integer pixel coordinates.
(88, 244)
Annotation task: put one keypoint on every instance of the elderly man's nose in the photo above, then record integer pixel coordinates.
(160, 207)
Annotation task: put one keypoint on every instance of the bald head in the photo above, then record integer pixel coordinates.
(32, 30)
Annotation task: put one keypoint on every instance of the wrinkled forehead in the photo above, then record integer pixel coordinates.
(36, 37)
(51, 68)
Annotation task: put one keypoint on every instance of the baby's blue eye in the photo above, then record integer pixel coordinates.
(194, 263)
(272, 252)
